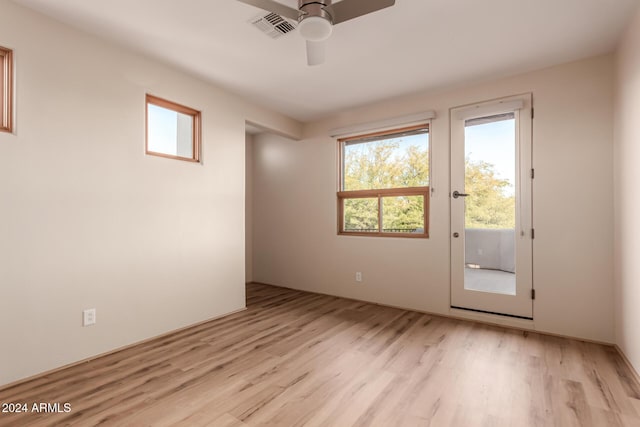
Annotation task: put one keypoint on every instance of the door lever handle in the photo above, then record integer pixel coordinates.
(457, 194)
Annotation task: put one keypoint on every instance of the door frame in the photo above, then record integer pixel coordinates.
(520, 305)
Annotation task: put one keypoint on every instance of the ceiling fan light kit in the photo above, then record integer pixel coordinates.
(315, 29)
(317, 18)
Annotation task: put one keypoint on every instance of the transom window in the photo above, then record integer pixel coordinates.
(384, 183)
(6, 87)
(173, 130)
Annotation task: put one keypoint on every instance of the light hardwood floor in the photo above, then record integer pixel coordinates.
(295, 358)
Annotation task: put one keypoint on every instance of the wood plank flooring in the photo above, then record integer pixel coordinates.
(300, 359)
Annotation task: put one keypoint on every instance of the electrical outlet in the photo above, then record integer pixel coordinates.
(358, 276)
(89, 317)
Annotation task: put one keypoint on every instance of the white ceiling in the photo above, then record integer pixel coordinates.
(412, 46)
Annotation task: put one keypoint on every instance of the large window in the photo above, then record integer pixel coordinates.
(384, 183)
(6, 87)
(173, 130)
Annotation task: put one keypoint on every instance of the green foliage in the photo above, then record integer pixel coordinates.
(488, 204)
(381, 164)
(384, 164)
(361, 214)
(403, 213)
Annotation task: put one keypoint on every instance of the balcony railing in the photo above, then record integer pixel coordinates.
(384, 230)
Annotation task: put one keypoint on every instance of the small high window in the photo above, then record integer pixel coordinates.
(6, 89)
(384, 183)
(173, 130)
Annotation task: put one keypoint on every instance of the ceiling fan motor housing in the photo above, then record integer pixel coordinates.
(315, 23)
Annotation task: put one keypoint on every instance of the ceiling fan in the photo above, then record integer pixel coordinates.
(317, 18)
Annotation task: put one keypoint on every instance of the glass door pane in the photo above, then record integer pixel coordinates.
(490, 207)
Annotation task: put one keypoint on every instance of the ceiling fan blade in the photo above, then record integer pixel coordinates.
(349, 9)
(315, 53)
(272, 6)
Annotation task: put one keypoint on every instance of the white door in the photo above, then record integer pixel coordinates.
(491, 226)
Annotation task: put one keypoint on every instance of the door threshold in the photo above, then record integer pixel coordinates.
(492, 312)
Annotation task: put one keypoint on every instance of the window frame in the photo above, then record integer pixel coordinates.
(342, 195)
(6, 90)
(196, 136)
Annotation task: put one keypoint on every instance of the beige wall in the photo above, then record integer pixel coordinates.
(295, 241)
(87, 220)
(627, 194)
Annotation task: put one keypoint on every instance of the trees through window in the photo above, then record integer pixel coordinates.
(384, 183)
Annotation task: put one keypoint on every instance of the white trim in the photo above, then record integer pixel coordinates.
(484, 109)
(382, 125)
